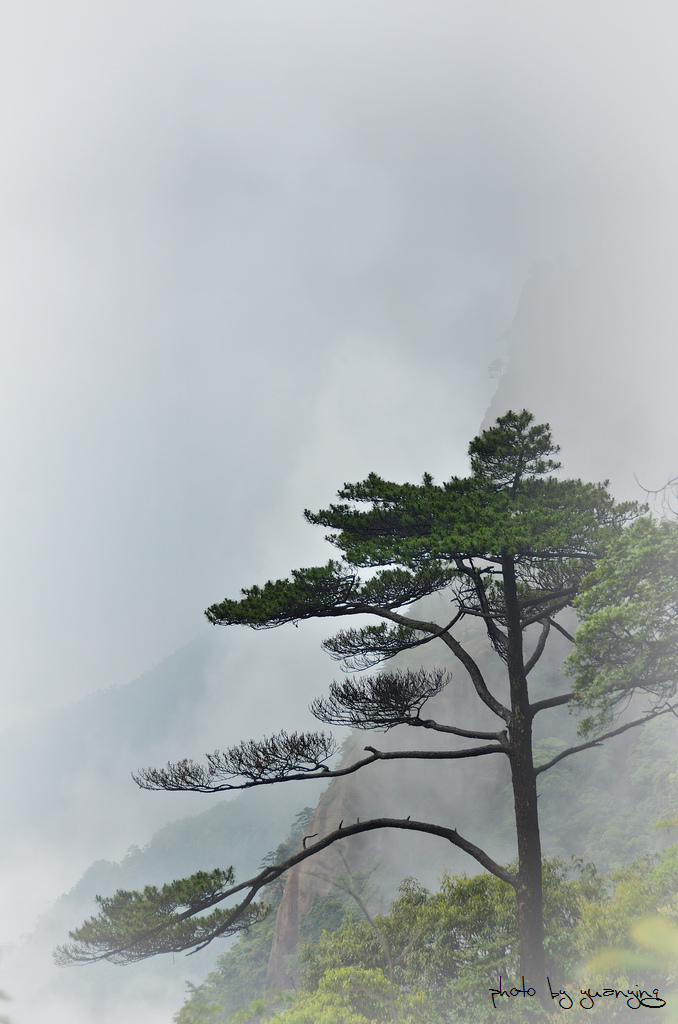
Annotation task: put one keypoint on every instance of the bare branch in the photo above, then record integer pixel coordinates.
(435, 755)
(663, 498)
(471, 734)
(561, 629)
(551, 702)
(547, 613)
(605, 736)
(539, 649)
(497, 637)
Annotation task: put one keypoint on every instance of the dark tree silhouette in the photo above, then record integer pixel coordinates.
(512, 546)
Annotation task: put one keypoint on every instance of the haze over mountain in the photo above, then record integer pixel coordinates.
(251, 251)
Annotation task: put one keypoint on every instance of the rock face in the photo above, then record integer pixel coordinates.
(341, 801)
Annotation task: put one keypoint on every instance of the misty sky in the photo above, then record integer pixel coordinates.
(251, 250)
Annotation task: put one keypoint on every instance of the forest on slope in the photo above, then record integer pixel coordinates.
(610, 828)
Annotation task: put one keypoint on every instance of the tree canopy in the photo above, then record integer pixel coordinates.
(512, 546)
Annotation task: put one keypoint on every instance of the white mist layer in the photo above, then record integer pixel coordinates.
(251, 251)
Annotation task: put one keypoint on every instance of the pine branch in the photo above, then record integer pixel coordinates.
(167, 936)
(132, 926)
(459, 652)
(389, 699)
(381, 701)
(189, 776)
(598, 740)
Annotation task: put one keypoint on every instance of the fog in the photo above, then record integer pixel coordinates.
(251, 251)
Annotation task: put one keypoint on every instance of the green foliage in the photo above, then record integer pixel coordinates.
(630, 939)
(421, 538)
(513, 451)
(645, 887)
(355, 995)
(508, 505)
(451, 946)
(240, 974)
(510, 545)
(654, 957)
(455, 943)
(628, 637)
(134, 925)
(238, 978)
(260, 1009)
(310, 592)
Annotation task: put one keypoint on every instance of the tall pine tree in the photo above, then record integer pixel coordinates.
(513, 546)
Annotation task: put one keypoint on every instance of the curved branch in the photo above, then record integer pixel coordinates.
(269, 874)
(539, 649)
(605, 736)
(364, 648)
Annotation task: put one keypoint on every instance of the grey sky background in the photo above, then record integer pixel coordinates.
(251, 250)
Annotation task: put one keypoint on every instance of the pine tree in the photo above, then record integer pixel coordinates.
(512, 546)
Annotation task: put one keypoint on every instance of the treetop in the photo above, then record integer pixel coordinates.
(513, 450)
(512, 546)
(427, 537)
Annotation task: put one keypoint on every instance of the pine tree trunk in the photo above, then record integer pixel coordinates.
(529, 896)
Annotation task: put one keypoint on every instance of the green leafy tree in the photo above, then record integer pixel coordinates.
(643, 897)
(629, 606)
(356, 995)
(454, 944)
(511, 546)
